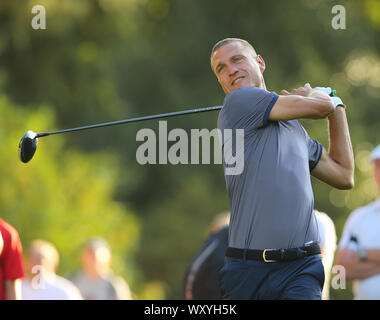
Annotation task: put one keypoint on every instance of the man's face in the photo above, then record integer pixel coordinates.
(376, 173)
(41, 259)
(96, 258)
(235, 66)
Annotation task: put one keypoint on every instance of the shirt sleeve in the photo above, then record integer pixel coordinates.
(1, 243)
(315, 153)
(314, 149)
(122, 289)
(249, 108)
(12, 257)
(73, 293)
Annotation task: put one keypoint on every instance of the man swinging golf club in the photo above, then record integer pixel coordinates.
(273, 250)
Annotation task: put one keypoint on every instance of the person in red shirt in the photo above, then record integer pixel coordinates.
(11, 262)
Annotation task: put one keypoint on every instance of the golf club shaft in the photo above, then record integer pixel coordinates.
(113, 123)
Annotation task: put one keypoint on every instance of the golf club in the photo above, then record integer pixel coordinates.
(28, 143)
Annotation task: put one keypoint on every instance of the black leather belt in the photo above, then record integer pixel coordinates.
(275, 255)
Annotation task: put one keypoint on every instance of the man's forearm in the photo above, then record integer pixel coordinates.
(356, 268)
(340, 149)
(361, 270)
(323, 98)
(373, 255)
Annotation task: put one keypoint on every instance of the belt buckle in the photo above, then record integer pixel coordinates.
(264, 258)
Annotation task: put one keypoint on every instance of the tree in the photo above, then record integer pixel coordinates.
(63, 195)
(104, 60)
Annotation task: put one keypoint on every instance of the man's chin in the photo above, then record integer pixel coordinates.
(239, 86)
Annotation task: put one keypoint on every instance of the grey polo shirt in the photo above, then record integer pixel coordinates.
(271, 201)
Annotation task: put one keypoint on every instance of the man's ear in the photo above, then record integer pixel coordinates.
(261, 63)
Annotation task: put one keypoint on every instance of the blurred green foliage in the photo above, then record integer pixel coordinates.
(104, 60)
(63, 196)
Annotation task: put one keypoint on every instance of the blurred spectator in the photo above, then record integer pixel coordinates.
(328, 239)
(201, 278)
(11, 262)
(359, 246)
(43, 283)
(96, 280)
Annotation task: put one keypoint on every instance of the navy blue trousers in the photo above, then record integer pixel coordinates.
(301, 279)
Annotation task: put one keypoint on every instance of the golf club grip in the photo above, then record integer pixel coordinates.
(113, 123)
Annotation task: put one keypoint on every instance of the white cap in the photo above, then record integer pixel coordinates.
(375, 154)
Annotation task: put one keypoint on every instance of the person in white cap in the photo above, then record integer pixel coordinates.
(359, 246)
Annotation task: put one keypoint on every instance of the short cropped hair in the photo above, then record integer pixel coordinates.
(47, 250)
(226, 41)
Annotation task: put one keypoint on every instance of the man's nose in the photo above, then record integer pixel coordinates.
(232, 70)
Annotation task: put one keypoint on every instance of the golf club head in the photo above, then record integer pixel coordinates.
(27, 146)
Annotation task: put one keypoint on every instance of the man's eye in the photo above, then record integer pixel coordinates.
(220, 69)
